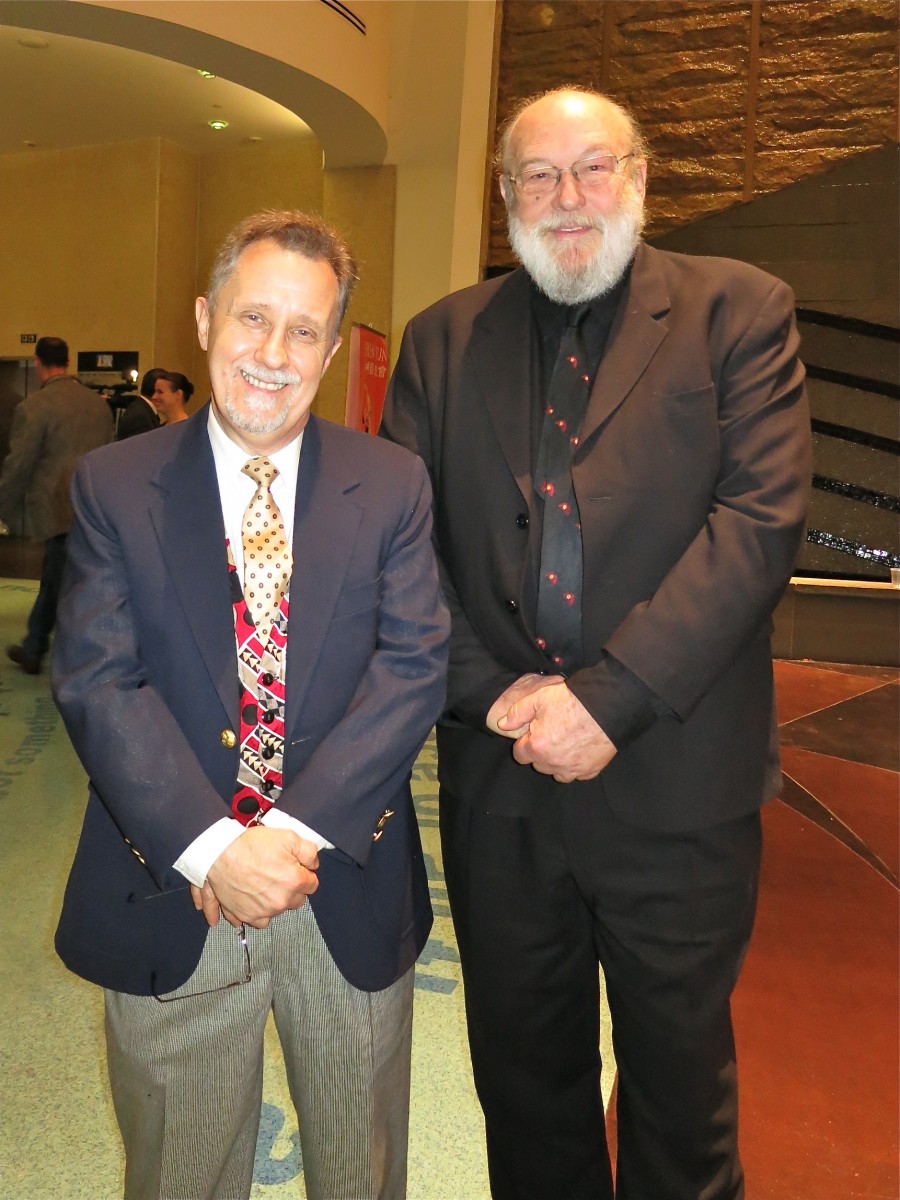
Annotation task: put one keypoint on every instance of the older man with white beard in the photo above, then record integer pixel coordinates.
(619, 447)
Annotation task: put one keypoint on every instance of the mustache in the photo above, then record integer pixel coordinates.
(571, 221)
(264, 375)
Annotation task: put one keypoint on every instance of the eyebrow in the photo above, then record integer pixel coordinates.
(264, 306)
(592, 151)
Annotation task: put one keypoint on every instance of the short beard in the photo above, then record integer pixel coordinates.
(575, 282)
(255, 422)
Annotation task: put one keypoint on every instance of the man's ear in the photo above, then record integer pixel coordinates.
(639, 177)
(201, 312)
(338, 342)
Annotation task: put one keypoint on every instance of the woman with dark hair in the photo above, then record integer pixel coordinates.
(171, 394)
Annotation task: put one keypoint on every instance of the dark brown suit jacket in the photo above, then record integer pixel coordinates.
(692, 477)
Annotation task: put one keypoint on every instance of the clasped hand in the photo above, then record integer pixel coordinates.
(262, 873)
(552, 729)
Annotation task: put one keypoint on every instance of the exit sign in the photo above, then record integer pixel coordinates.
(27, 339)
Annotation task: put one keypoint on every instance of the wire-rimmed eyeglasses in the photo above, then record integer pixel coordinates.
(242, 969)
(539, 179)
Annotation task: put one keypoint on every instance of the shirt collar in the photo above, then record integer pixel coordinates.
(230, 457)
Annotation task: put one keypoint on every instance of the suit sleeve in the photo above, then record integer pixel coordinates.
(360, 766)
(133, 749)
(720, 594)
(412, 419)
(18, 466)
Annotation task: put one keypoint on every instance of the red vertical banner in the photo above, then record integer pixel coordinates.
(366, 379)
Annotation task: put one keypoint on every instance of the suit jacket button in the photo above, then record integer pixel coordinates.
(228, 739)
(512, 605)
(522, 520)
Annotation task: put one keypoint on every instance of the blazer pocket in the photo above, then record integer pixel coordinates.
(695, 403)
(358, 598)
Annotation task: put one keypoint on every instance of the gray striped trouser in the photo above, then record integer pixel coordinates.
(186, 1076)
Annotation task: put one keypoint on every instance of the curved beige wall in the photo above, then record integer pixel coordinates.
(116, 266)
(300, 53)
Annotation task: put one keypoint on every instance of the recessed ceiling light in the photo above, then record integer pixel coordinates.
(217, 124)
(32, 42)
(206, 74)
(30, 145)
(253, 139)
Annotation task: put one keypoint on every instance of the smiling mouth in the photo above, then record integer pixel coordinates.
(263, 385)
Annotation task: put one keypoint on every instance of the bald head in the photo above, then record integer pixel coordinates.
(542, 115)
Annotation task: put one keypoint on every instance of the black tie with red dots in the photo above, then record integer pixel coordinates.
(267, 556)
(558, 625)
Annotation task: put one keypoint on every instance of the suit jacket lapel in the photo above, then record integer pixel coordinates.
(188, 523)
(500, 350)
(636, 335)
(326, 521)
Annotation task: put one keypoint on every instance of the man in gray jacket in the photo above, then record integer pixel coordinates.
(52, 428)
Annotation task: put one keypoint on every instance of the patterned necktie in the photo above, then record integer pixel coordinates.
(267, 556)
(558, 625)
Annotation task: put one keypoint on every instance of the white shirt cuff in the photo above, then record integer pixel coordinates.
(203, 851)
(275, 818)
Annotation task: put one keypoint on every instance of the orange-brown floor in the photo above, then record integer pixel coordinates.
(816, 1009)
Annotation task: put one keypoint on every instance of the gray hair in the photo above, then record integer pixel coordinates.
(299, 232)
(639, 147)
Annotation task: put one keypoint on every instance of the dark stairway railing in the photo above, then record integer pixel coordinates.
(854, 389)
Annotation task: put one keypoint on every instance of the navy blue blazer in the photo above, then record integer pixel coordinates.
(145, 677)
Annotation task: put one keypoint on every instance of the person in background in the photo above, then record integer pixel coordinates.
(140, 415)
(170, 395)
(9, 402)
(252, 651)
(51, 429)
(620, 449)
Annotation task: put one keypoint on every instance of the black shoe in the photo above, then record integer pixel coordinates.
(21, 657)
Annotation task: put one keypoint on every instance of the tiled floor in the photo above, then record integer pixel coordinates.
(816, 1010)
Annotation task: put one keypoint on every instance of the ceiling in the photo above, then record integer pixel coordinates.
(73, 92)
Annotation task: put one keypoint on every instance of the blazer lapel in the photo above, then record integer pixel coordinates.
(500, 353)
(637, 333)
(191, 533)
(326, 521)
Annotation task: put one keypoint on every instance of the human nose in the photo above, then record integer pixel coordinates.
(272, 349)
(569, 192)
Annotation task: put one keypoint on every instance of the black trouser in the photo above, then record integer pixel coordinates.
(536, 903)
(42, 618)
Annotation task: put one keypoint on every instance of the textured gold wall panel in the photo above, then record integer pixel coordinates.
(732, 107)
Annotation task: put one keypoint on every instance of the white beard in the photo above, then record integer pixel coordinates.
(564, 274)
(252, 420)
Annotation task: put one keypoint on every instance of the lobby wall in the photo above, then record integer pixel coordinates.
(78, 247)
(108, 246)
(737, 97)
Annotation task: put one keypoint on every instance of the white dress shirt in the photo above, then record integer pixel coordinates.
(236, 490)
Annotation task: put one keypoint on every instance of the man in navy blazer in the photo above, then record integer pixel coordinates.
(604, 804)
(241, 764)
